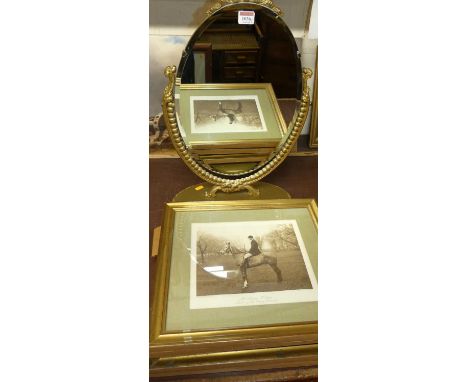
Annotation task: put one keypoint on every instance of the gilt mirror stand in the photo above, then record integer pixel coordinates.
(237, 103)
(236, 283)
(243, 185)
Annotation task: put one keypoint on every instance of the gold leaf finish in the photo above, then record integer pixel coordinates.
(227, 184)
(224, 3)
(202, 342)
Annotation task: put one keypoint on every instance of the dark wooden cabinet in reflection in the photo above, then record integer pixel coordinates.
(279, 65)
(228, 52)
(236, 50)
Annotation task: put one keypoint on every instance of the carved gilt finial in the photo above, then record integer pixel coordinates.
(306, 74)
(264, 3)
(170, 73)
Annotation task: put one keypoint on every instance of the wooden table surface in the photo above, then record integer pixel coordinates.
(168, 176)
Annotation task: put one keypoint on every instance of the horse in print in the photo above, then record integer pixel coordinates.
(251, 262)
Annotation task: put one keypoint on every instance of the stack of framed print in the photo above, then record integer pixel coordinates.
(229, 123)
(236, 287)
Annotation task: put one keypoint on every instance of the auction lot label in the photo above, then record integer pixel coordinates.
(246, 17)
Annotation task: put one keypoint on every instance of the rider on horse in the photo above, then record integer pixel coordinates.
(253, 251)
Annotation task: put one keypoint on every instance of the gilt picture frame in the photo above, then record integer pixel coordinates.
(230, 115)
(202, 303)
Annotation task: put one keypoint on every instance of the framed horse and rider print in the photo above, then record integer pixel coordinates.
(269, 256)
(237, 276)
(236, 283)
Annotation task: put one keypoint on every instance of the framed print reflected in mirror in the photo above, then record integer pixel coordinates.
(230, 115)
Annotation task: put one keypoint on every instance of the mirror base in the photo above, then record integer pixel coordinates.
(202, 191)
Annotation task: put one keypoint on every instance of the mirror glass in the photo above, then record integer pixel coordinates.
(238, 90)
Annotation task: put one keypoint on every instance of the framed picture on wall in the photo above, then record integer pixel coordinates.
(203, 57)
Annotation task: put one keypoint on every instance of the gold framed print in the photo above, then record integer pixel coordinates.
(234, 276)
(229, 115)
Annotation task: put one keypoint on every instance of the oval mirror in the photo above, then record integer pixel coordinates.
(239, 98)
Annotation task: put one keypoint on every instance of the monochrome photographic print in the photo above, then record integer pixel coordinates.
(249, 263)
(226, 114)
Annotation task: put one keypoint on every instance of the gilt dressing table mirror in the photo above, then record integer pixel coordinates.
(237, 102)
(234, 107)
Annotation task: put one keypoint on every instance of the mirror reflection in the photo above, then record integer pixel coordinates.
(236, 125)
